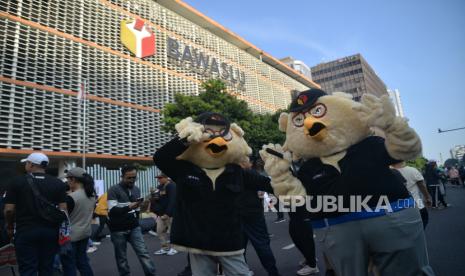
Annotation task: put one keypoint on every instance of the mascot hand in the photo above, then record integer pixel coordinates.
(275, 166)
(376, 112)
(190, 130)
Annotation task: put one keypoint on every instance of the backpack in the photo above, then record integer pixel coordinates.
(46, 210)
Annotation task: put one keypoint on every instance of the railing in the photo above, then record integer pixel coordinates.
(110, 177)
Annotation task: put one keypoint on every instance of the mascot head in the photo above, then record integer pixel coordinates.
(320, 125)
(223, 143)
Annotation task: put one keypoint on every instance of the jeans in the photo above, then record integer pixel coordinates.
(36, 249)
(135, 238)
(255, 230)
(77, 259)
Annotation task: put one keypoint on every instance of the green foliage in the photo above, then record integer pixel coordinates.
(418, 163)
(259, 128)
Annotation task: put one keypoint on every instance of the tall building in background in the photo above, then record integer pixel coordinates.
(134, 56)
(298, 65)
(458, 152)
(395, 98)
(350, 74)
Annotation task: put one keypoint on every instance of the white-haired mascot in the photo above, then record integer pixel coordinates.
(359, 209)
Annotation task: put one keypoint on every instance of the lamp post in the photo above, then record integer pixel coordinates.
(453, 129)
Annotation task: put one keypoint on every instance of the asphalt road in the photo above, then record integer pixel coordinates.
(445, 237)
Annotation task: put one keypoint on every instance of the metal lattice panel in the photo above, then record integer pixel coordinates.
(52, 46)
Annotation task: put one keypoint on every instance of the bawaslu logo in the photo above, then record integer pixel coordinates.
(138, 37)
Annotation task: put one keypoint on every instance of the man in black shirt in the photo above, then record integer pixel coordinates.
(36, 240)
(123, 205)
(164, 208)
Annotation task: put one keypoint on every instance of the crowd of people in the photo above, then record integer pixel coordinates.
(43, 244)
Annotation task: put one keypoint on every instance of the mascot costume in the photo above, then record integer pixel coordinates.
(203, 159)
(342, 160)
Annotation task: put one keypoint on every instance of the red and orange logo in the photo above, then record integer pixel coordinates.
(138, 37)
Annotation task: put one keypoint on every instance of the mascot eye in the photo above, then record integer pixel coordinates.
(298, 120)
(318, 111)
(228, 136)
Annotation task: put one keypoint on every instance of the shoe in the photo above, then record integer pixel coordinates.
(108, 236)
(161, 252)
(307, 270)
(172, 252)
(92, 249)
(186, 272)
(279, 220)
(153, 233)
(303, 263)
(251, 273)
(96, 243)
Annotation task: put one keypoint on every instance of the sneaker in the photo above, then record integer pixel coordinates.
(92, 249)
(172, 252)
(307, 270)
(303, 263)
(161, 252)
(280, 220)
(153, 233)
(96, 243)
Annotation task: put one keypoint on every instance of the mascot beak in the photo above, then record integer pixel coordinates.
(315, 129)
(216, 147)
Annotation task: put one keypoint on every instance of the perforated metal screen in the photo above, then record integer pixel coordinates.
(48, 48)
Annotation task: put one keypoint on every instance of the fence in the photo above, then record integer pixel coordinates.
(145, 178)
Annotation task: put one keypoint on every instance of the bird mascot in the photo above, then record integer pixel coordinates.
(358, 208)
(203, 159)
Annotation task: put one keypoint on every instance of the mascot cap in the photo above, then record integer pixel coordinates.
(306, 99)
(217, 120)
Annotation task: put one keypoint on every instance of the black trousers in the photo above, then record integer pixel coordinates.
(424, 217)
(301, 232)
(256, 232)
(102, 221)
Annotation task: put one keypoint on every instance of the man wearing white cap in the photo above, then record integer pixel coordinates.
(36, 239)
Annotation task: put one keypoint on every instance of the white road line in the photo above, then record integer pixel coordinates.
(287, 247)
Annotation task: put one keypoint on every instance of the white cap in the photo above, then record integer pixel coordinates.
(37, 158)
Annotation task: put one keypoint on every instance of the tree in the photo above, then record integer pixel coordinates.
(259, 129)
(418, 163)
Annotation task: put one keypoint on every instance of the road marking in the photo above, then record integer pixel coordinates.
(287, 247)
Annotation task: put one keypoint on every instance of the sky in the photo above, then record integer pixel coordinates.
(416, 46)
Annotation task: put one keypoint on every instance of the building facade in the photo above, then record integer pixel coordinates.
(350, 74)
(394, 95)
(133, 57)
(458, 152)
(298, 65)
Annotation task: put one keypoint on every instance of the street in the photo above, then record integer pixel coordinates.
(445, 237)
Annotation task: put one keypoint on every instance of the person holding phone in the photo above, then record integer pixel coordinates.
(123, 204)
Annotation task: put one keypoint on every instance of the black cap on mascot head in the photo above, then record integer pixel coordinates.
(306, 99)
(216, 120)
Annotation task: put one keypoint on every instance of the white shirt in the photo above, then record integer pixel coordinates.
(412, 176)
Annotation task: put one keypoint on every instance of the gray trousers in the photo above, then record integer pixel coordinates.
(206, 265)
(395, 242)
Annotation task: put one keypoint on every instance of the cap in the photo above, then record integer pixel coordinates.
(37, 158)
(161, 175)
(76, 172)
(306, 99)
(218, 124)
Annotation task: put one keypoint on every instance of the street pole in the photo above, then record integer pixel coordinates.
(447, 130)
